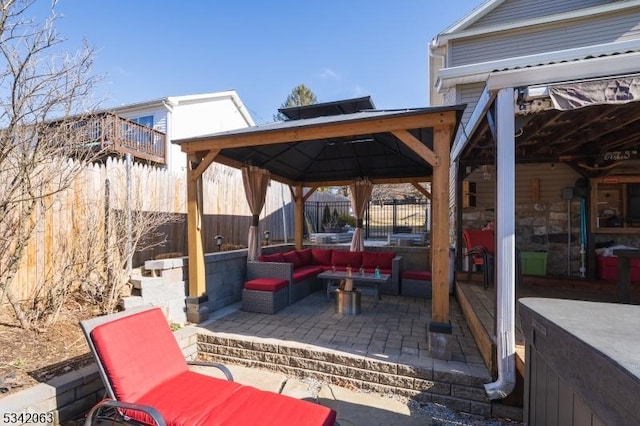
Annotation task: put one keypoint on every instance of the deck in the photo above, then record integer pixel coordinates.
(111, 134)
(478, 307)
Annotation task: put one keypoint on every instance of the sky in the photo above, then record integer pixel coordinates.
(340, 49)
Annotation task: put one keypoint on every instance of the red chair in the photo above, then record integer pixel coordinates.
(480, 250)
(149, 382)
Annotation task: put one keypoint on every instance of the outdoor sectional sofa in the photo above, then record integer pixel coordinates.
(301, 268)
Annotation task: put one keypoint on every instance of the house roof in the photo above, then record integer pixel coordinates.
(463, 27)
(172, 101)
(382, 145)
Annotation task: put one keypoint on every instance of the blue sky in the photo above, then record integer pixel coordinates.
(262, 49)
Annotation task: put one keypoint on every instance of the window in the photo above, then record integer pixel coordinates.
(615, 204)
(147, 120)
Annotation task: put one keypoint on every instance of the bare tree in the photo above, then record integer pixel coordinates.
(44, 94)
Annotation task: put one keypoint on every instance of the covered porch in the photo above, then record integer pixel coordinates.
(580, 114)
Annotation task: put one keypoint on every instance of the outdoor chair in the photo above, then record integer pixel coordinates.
(481, 251)
(148, 381)
(480, 247)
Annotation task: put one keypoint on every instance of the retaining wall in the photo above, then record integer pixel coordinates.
(71, 395)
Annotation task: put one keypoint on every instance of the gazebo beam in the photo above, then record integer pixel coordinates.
(321, 131)
(421, 189)
(205, 163)
(417, 146)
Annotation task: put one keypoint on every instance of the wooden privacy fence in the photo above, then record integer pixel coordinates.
(71, 225)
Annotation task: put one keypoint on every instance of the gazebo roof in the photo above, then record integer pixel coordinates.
(319, 149)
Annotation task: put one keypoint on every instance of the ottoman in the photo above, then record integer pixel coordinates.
(265, 295)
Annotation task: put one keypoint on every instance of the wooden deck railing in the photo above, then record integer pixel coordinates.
(116, 135)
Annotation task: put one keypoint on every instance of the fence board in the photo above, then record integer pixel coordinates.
(71, 217)
(79, 213)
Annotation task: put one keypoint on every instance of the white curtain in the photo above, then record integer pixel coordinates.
(255, 182)
(360, 195)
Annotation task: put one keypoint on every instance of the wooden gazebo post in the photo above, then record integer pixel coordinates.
(299, 215)
(197, 300)
(440, 325)
(439, 159)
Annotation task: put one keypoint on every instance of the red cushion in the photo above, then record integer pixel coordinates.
(133, 368)
(196, 399)
(417, 275)
(382, 259)
(292, 257)
(346, 258)
(266, 284)
(321, 256)
(146, 366)
(305, 256)
(276, 257)
(307, 271)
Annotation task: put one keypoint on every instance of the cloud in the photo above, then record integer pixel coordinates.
(328, 73)
(359, 91)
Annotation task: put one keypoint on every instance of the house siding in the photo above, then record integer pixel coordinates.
(468, 94)
(620, 26)
(517, 10)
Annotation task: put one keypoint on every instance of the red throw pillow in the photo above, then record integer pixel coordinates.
(321, 256)
(305, 256)
(292, 257)
(383, 259)
(346, 258)
(277, 257)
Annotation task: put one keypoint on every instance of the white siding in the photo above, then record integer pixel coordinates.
(197, 118)
(468, 94)
(553, 37)
(518, 10)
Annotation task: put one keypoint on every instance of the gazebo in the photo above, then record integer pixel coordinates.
(335, 144)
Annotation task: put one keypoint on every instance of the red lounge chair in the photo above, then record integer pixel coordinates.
(148, 381)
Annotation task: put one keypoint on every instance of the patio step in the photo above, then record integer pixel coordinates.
(457, 385)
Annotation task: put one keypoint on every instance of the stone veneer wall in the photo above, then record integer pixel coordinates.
(541, 227)
(71, 395)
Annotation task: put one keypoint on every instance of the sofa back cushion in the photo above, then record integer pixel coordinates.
(383, 259)
(292, 257)
(305, 256)
(321, 256)
(346, 258)
(276, 257)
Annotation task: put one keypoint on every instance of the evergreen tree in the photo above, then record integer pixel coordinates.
(301, 95)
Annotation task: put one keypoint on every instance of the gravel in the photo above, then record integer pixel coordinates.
(435, 414)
